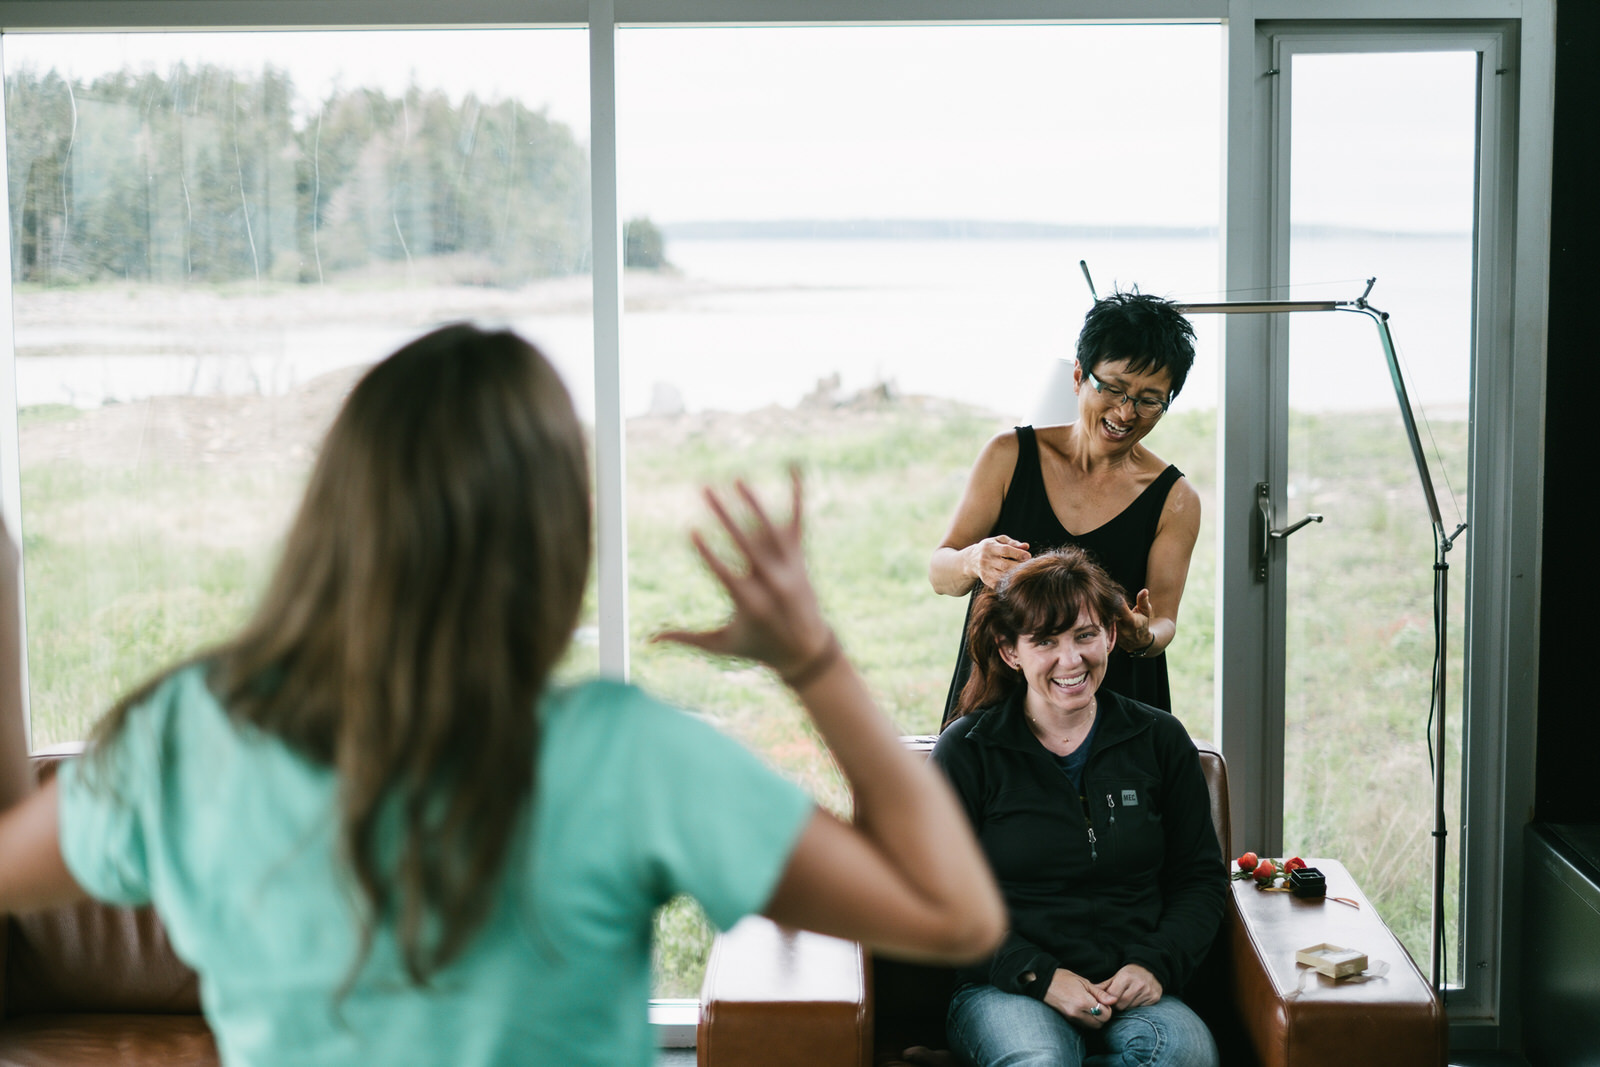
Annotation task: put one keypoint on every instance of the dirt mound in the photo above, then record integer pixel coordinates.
(280, 431)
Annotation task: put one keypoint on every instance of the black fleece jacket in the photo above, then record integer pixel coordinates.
(1131, 872)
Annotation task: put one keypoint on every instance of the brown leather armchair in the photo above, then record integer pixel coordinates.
(779, 997)
(92, 985)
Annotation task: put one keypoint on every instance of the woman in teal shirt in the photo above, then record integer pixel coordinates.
(380, 834)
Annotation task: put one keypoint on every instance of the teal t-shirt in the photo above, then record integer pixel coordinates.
(233, 837)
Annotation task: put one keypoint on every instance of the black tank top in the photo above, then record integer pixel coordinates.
(1121, 546)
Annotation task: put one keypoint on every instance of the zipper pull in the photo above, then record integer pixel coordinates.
(1111, 804)
(1093, 852)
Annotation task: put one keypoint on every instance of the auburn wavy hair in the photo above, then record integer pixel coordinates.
(429, 583)
(1043, 597)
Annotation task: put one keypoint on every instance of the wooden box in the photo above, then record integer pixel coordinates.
(1332, 960)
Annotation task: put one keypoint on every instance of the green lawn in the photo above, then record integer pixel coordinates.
(131, 566)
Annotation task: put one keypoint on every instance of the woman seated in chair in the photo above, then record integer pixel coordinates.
(1094, 815)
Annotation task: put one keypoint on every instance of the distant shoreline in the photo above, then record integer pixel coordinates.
(971, 230)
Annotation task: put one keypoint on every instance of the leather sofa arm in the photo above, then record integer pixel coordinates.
(1295, 1017)
(780, 997)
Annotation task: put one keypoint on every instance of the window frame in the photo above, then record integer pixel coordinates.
(1504, 475)
(1507, 481)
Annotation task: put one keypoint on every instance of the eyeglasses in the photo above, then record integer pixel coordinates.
(1145, 407)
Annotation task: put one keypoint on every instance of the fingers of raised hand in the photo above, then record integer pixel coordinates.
(762, 531)
(795, 499)
(721, 640)
(736, 533)
(713, 562)
(763, 542)
(751, 595)
(706, 640)
(775, 618)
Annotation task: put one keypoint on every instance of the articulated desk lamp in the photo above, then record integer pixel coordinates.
(1441, 565)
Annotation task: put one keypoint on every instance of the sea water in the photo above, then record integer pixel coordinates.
(738, 325)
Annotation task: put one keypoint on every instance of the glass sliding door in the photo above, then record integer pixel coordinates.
(1382, 184)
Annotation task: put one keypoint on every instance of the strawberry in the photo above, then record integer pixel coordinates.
(1248, 861)
(1265, 873)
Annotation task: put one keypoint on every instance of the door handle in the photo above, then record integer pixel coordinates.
(1278, 535)
(1265, 534)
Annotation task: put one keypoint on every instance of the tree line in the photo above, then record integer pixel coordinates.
(204, 174)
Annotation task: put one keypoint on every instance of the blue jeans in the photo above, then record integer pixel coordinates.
(996, 1029)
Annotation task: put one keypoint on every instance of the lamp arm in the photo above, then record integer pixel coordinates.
(1441, 567)
(1381, 320)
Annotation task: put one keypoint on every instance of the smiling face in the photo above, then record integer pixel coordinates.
(1112, 420)
(1063, 671)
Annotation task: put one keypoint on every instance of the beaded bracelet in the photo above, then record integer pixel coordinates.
(1141, 653)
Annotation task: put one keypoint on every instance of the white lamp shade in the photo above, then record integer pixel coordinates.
(1057, 401)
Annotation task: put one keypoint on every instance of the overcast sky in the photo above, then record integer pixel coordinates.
(1066, 124)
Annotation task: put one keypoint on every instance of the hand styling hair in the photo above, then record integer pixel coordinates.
(1043, 597)
(429, 583)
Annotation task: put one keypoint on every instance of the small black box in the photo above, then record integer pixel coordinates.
(1308, 882)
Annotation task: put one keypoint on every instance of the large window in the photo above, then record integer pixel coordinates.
(874, 278)
(871, 274)
(853, 246)
(211, 235)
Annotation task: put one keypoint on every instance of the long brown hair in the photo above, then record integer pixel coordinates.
(1043, 597)
(430, 581)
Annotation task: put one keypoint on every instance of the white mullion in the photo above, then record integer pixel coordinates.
(912, 12)
(611, 507)
(1505, 548)
(1501, 653)
(10, 443)
(111, 16)
(1489, 459)
(1381, 11)
(1253, 748)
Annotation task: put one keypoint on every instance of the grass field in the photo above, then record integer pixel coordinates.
(133, 561)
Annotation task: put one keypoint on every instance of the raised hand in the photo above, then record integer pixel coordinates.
(906, 874)
(776, 619)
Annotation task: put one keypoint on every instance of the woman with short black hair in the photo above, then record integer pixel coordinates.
(1092, 483)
